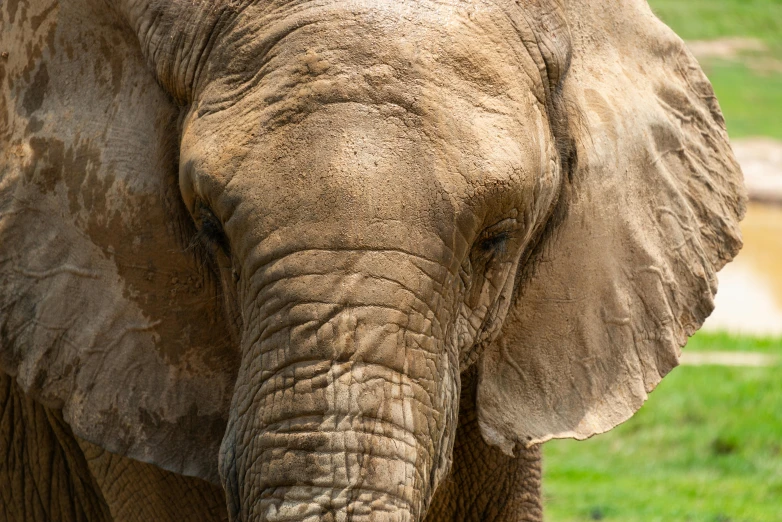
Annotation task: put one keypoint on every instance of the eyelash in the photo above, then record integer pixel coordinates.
(495, 243)
(211, 230)
(489, 246)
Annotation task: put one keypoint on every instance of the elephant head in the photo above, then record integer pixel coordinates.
(278, 232)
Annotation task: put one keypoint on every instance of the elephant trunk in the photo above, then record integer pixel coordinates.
(344, 406)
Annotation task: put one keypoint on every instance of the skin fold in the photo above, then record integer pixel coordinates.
(500, 487)
(338, 259)
(45, 475)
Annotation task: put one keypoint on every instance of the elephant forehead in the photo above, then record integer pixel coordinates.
(418, 55)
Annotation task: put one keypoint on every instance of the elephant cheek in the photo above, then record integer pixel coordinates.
(350, 416)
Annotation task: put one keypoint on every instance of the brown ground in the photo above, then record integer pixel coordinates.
(727, 359)
(752, 52)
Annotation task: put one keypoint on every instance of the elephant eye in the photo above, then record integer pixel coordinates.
(494, 244)
(210, 229)
(495, 239)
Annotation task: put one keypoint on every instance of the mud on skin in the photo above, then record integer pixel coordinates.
(341, 260)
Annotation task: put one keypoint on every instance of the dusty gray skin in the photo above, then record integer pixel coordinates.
(271, 245)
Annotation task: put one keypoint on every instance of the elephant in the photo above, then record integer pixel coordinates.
(297, 260)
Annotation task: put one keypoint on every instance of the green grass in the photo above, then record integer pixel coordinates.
(724, 342)
(709, 19)
(707, 447)
(751, 101)
(751, 97)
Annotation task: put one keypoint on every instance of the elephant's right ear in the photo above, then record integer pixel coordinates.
(649, 216)
(103, 310)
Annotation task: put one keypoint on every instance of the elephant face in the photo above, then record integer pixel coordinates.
(454, 173)
(328, 211)
(375, 215)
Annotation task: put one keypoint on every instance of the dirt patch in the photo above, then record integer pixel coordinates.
(750, 51)
(745, 359)
(761, 161)
(725, 48)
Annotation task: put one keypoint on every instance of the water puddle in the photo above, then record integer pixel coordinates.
(749, 300)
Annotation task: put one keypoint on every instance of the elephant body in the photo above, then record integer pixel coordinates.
(50, 474)
(282, 260)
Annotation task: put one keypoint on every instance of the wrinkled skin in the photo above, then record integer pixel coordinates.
(341, 260)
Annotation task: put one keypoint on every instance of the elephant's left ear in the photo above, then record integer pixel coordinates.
(650, 215)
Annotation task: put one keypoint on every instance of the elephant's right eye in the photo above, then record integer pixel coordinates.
(211, 230)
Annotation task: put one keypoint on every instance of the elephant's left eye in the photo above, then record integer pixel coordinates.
(211, 230)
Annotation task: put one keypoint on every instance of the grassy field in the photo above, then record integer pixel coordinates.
(707, 447)
(749, 87)
(710, 19)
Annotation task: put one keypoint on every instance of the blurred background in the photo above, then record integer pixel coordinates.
(707, 446)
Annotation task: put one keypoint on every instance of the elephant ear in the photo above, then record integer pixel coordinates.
(103, 311)
(650, 214)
